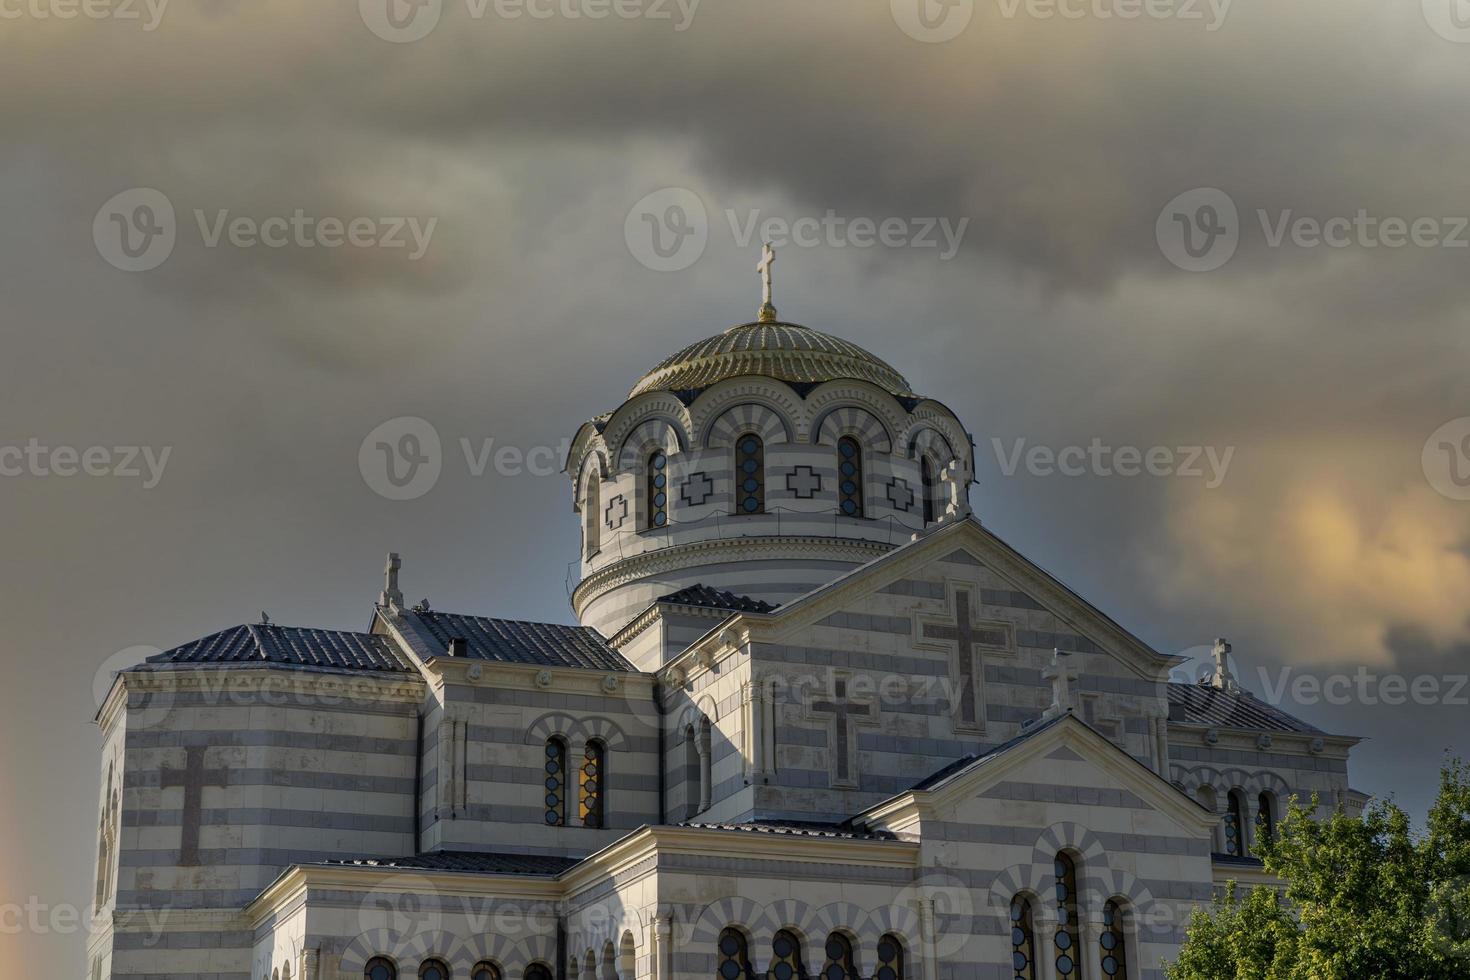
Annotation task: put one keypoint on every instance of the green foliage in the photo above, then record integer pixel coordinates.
(1365, 899)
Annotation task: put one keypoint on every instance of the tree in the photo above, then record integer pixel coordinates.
(1364, 899)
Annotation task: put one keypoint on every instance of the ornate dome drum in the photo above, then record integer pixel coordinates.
(763, 461)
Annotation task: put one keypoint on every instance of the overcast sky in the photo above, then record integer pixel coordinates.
(1066, 306)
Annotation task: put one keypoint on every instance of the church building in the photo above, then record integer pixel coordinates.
(816, 720)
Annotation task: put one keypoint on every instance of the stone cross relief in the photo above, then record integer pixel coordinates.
(847, 713)
(193, 779)
(1061, 674)
(971, 641)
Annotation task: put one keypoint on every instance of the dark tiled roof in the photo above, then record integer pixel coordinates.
(510, 641)
(296, 646)
(474, 862)
(799, 828)
(939, 776)
(704, 595)
(1199, 704)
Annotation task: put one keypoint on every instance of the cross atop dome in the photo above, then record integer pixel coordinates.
(763, 269)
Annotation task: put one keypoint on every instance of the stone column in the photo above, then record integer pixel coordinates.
(663, 944)
(927, 936)
(706, 768)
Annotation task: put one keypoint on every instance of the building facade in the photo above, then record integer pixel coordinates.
(815, 720)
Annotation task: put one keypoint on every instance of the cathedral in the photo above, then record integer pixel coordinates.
(816, 720)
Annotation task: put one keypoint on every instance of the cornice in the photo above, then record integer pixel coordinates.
(240, 678)
(470, 672)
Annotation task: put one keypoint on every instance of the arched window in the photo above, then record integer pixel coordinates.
(890, 958)
(734, 958)
(1067, 934)
(657, 478)
(750, 475)
(839, 965)
(537, 971)
(1114, 960)
(592, 779)
(785, 958)
(1023, 939)
(286, 970)
(926, 486)
(592, 517)
(556, 780)
(1235, 824)
(485, 971)
(1266, 817)
(433, 970)
(691, 773)
(380, 968)
(849, 477)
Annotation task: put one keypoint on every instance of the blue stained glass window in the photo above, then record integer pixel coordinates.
(1114, 956)
(1066, 935)
(1023, 940)
(750, 497)
(485, 971)
(556, 768)
(850, 465)
(786, 958)
(734, 956)
(657, 476)
(433, 970)
(380, 969)
(890, 959)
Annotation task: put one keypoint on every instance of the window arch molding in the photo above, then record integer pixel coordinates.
(890, 957)
(536, 971)
(486, 970)
(871, 431)
(434, 968)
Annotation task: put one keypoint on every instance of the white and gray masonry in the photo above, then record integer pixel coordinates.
(815, 719)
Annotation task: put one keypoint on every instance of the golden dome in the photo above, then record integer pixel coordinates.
(787, 351)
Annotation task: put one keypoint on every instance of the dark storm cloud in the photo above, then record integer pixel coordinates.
(1058, 322)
